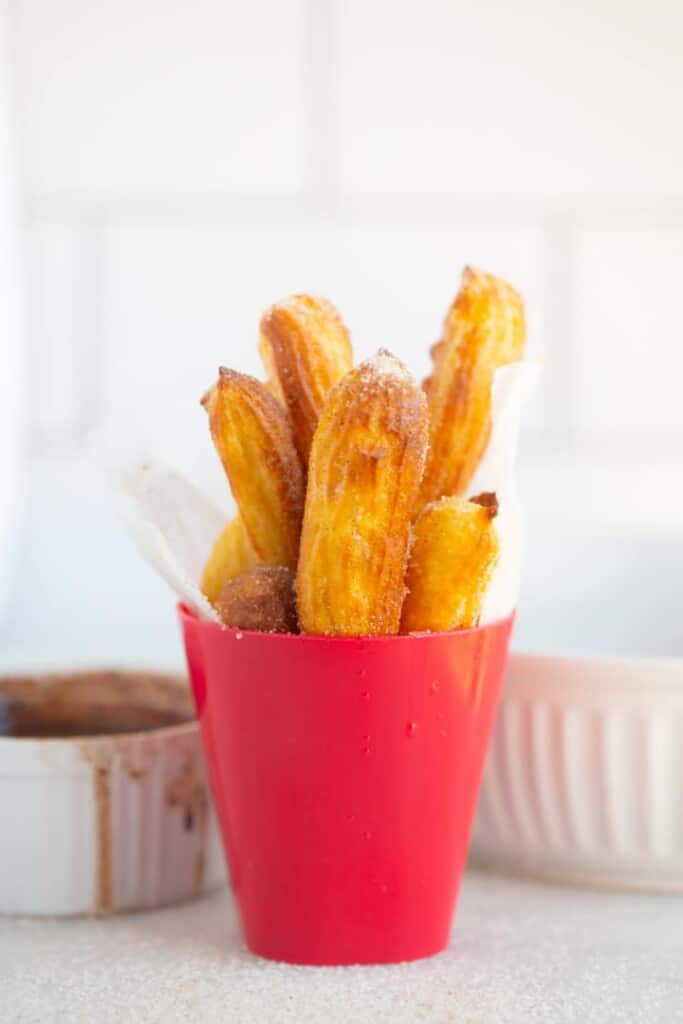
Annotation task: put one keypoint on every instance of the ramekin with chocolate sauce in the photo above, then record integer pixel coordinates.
(103, 794)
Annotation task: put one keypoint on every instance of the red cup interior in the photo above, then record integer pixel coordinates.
(345, 773)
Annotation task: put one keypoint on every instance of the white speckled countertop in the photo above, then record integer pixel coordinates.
(520, 953)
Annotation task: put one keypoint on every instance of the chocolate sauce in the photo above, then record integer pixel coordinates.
(91, 704)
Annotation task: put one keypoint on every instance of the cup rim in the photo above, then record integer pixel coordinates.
(187, 615)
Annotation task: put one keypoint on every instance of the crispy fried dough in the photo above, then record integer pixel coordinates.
(305, 348)
(231, 555)
(364, 474)
(261, 599)
(453, 557)
(253, 437)
(484, 329)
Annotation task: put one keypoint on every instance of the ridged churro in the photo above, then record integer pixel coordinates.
(451, 563)
(484, 329)
(231, 555)
(305, 348)
(253, 437)
(366, 463)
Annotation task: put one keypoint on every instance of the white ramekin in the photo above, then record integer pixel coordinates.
(584, 780)
(105, 824)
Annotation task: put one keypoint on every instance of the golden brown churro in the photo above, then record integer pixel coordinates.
(253, 437)
(484, 329)
(231, 555)
(364, 474)
(305, 348)
(453, 557)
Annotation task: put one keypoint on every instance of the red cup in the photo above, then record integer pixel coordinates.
(345, 772)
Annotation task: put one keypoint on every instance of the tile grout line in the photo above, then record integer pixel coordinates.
(321, 195)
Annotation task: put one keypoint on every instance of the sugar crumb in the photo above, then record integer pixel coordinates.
(387, 365)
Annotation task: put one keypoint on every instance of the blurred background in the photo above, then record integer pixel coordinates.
(167, 170)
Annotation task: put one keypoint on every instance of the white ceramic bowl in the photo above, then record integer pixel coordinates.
(106, 823)
(584, 781)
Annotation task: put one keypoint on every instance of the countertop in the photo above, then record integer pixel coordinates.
(520, 952)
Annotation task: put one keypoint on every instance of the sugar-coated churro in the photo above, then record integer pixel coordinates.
(365, 468)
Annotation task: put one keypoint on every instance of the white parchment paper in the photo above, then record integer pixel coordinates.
(172, 524)
(512, 385)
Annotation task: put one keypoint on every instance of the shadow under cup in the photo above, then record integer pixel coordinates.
(345, 772)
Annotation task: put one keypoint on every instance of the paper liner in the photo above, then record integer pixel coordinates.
(512, 385)
(173, 526)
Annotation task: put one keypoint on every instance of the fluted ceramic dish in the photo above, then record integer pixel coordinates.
(99, 824)
(584, 781)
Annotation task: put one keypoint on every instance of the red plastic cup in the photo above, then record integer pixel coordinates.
(345, 772)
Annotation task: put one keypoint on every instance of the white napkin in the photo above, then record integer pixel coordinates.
(173, 526)
(512, 385)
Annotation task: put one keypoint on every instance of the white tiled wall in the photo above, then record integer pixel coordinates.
(629, 335)
(185, 164)
(119, 96)
(526, 99)
(201, 288)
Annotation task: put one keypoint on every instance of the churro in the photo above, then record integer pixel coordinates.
(451, 563)
(484, 329)
(254, 440)
(231, 555)
(306, 349)
(364, 474)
